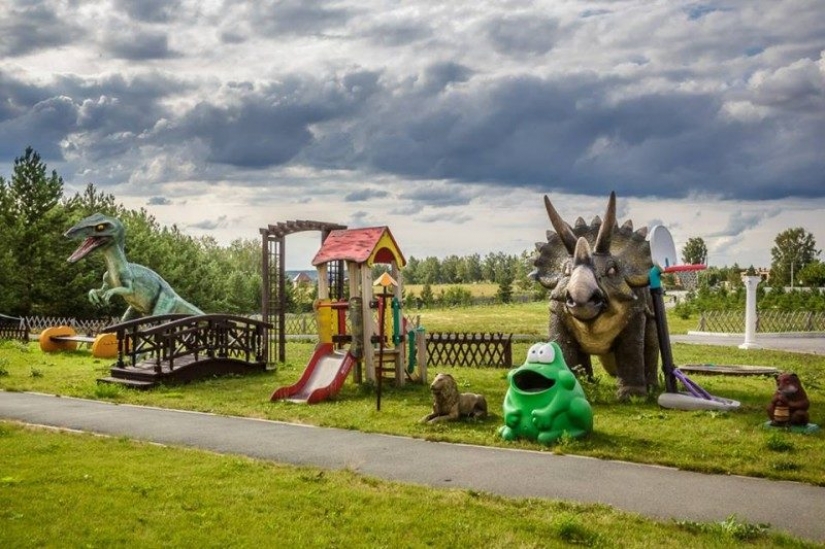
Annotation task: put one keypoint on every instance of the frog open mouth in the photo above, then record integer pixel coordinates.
(529, 381)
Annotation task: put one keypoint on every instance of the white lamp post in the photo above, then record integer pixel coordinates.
(751, 282)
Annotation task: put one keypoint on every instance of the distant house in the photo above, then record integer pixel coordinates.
(762, 272)
(302, 279)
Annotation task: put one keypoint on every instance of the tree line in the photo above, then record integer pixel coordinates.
(36, 279)
(794, 261)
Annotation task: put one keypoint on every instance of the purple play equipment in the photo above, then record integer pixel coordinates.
(693, 397)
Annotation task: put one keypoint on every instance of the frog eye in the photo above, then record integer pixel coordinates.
(100, 227)
(542, 353)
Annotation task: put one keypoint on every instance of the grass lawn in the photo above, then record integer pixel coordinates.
(639, 431)
(122, 493)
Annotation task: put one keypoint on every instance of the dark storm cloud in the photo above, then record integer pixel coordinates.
(28, 26)
(42, 126)
(455, 219)
(398, 33)
(158, 201)
(138, 44)
(364, 195)
(517, 130)
(253, 134)
(439, 75)
(269, 126)
(567, 134)
(697, 11)
(665, 126)
(798, 87)
(210, 224)
(150, 11)
(103, 116)
(232, 36)
(296, 17)
(522, 34)
(740, 222)
(441, 196)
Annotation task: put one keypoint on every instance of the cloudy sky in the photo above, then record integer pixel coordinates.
(445, 120)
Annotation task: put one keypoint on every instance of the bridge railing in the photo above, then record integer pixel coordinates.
(167, 339)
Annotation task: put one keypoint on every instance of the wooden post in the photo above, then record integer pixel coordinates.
(421, 353)
(369, 325)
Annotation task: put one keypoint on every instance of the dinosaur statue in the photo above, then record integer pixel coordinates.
(146, 293)
(600, 301)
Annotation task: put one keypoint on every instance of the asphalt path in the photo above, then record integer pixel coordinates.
(653, 491)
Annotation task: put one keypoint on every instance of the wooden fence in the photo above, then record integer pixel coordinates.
(473, 350)
(14, 328)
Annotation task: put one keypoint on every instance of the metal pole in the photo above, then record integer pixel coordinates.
(656, 293)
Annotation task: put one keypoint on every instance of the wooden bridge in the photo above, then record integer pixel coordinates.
(180, 348)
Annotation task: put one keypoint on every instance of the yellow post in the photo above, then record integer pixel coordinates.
(323, 311)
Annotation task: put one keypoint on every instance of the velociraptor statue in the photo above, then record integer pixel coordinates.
(145, 291)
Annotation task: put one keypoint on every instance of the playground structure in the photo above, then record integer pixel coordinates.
(359, 329)
(663, 252)
(65, 338)
(273, 272)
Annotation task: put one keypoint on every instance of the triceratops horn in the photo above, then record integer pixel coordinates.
(582, 254)
(606, 230)
(562, 228)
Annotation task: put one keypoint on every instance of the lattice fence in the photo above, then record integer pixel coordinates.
(766, 321)
(89, 327)
(301, 324)
(471, 350)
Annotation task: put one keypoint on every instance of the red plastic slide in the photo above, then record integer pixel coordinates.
(323, 377)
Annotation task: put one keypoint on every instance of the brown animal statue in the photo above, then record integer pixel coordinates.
(600, 302)
(789, 405)
(449, 404)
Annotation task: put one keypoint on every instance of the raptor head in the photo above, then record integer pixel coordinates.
(98, 232)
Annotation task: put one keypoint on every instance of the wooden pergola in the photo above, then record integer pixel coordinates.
(273, 261)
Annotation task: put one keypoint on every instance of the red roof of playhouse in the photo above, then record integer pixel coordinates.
(368, 245)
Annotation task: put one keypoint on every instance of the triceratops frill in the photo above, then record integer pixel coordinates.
(600, 303)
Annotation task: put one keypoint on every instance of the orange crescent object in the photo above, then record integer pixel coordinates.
(49, 343)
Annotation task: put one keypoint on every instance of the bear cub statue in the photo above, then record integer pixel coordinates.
(789, 405)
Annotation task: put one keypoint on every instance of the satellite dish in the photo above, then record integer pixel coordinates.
(662, 249)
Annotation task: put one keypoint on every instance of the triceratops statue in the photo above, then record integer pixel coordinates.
(600, 303)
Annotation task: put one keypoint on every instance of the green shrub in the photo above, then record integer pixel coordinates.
(456, 296)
